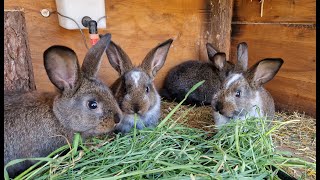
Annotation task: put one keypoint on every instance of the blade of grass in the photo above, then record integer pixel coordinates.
(75, 144)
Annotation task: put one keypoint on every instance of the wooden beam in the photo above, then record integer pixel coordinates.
(18, 73)
(220, 25)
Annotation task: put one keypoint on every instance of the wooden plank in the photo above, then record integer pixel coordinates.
(294, 87)
(137, 25)
(220, 26)
(152, 22)
(275, 11)
(18, 73)
(292, 95)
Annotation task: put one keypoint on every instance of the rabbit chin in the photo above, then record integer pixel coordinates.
(149, 119)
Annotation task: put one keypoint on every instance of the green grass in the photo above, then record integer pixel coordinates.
(240, 150)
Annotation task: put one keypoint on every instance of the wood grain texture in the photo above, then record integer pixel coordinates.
(136, 25)
(295, 11)
(294, 87)
(18, 72)
(139, 25)
(220, 26)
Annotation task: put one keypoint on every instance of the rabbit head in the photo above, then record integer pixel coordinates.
(134, 89)
(225, 67)
(84, 104)
(219, 61)
(242, 93)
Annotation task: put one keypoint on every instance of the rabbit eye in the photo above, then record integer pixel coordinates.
(147, 89)
(92, 104)
(238, 93)
(227, 73)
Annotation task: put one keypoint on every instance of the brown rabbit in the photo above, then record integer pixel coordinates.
(38, 123)
(134, 89)
(182, 77)
(243, 95)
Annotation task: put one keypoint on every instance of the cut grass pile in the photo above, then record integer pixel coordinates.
(297, 137)
(240, 150)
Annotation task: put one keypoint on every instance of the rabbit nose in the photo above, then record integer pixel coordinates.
(219, 106)
(117, 118)
(136, 108)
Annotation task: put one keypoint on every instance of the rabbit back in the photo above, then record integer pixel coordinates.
(182, 77)
(30, 128)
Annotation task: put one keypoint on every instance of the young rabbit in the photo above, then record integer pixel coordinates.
(182, 77)
(242, 93)
(134, 89)
(38, 123)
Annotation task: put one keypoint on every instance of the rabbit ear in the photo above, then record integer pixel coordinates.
(263, 71)
(242, 55)
(155, 59)
(211, 51)
(118, 59)
(219, 60)
(92, 60)
(62, 66)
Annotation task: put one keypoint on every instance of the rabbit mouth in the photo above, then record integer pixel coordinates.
(131, 112)
(238, 113)
(136, 110)
(100, 129)
(233, 115)
(224, 114)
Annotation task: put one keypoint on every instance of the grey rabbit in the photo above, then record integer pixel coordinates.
(134, 89)
(182, 77)
(242, 94)
(37, 123)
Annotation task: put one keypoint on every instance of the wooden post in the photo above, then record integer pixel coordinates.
(18, 73)
(220, 25)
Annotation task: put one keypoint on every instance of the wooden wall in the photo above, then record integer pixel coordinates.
(136, 25)
(286, 30)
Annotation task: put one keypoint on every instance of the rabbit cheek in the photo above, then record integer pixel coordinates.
(79, 123)
(228, 109)
(144, 105)
(70, 118)
(88, 119)
(127, 105)
(106, 126)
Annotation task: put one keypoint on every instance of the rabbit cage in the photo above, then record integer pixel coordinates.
(272, 29)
